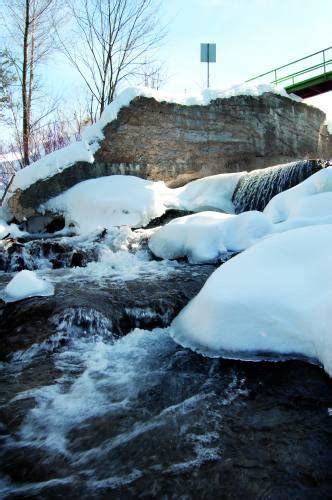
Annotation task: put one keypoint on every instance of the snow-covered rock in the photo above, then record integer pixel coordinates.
(52, 164)
(119, 200)
(85, 149)
(110, 201)
(210, 193)
(310, 198)
(274, 298)
(206, 236)
(26, 284)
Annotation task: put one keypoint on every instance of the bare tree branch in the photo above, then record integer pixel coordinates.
(113, 39)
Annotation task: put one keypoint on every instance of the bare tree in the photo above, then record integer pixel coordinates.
(30, 25)
(153, 76)
(57, 133)
(114, 39)
(7, 78)
(9, 164)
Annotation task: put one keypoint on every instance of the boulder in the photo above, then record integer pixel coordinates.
(178, 143)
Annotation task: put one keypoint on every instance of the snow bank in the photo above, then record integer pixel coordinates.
(26, 284)
(110, 201)
(84, 150)
(214, 192)
(206, 236)
(119, 200)
(274, 298)
(310, 198)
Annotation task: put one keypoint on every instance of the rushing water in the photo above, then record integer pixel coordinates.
(87, 412)
(139, 416)
(257, 188)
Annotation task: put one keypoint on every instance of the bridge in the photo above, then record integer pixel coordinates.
(306, 77)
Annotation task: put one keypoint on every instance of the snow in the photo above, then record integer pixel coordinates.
(275, 298)
(26, 284)
(310, 198)
(119, 200)
(110, 201)
(206, 236)
(11, 229)
(52, 164)
(213, 192)
(84, 150)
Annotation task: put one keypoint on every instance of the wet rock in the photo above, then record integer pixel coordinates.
(167, 217)
(44, 224)
(45, 253)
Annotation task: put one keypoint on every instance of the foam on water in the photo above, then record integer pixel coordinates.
(136, 389)
(122, 265)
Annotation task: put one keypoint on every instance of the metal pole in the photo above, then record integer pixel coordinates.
(208, 65)
(324, 62)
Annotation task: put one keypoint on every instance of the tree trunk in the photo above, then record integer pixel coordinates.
(25, 125)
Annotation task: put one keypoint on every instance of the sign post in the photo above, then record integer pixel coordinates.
(208, 55)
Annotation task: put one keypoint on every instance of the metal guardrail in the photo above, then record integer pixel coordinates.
(324, 64)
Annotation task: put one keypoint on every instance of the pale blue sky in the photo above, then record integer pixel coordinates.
(252, 36)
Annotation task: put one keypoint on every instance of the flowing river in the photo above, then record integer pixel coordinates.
(91, 411)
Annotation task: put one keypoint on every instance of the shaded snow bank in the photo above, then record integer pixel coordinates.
(274, 298)
(84, 150)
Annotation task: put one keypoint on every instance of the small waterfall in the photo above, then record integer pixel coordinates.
(257, 188)
(82, 322)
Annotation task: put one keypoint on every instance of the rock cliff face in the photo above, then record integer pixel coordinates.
(176, 143)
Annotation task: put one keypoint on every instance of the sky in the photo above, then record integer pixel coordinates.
(252, 37)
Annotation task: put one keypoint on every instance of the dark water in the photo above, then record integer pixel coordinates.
(98, 415)
(97, 401)
(257, 188)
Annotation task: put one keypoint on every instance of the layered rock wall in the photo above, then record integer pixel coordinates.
(177, 143)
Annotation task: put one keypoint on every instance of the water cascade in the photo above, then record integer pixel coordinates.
(257, 188)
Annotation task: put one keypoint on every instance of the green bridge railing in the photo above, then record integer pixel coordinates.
(320, 66)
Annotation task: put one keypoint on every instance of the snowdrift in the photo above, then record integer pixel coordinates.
(273, 299)
(119, 200)
(205, 237)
